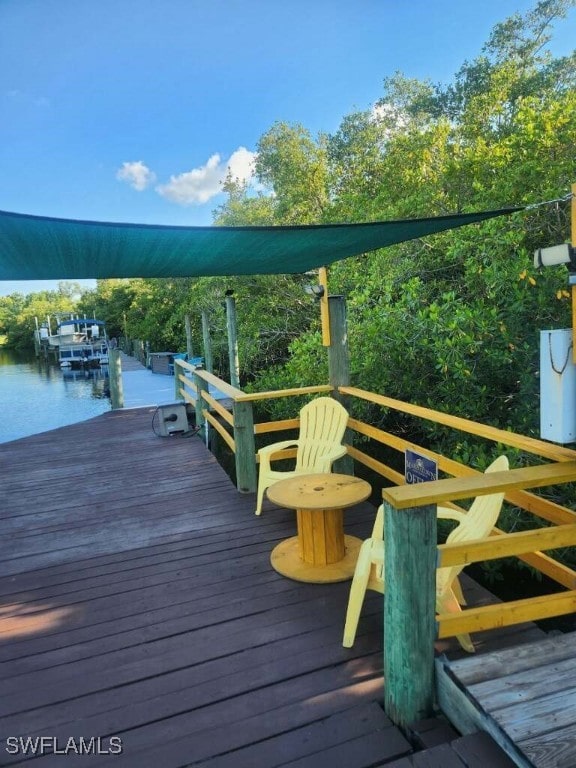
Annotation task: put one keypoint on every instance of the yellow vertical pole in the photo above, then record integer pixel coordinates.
(573, 239)
(324, 314)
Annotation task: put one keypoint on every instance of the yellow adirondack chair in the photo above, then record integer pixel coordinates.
(369, 574)
(322, 425)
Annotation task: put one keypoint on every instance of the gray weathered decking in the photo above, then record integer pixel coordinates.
(137, 600)
(524, 696)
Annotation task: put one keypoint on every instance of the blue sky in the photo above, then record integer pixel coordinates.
(132, 110)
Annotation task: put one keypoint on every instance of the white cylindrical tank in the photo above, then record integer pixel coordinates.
(557, 386)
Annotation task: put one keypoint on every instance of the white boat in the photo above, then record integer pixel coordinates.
(79, 342)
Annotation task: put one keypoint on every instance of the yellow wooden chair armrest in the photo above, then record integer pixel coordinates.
(268, 450)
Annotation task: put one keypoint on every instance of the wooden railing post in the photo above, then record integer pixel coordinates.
(409, 612)
(201, 386)
(207, 343)
(232, 341)
(115, 379)
(339, 368)
(178, 394)
(245, 454)
(188, 330)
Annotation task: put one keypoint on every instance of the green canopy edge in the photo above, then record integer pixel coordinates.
(44, 248)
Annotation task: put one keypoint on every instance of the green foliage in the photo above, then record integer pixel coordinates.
(293, 165)
(19, 313)
(110, 301)
(242, 207)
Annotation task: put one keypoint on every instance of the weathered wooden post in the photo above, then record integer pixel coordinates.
(188, 329)
(409, 611)
(138, 349)
(115, 379)
(245, 453)
(207, 341)
(177, 385)
(37, 338)
(339, 367)
(200, 404)
(232, 340)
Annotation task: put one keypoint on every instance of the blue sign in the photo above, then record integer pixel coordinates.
(418, 468)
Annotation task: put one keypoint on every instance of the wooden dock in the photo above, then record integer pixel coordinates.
(142, 388)
(137, 602)
(525, 697)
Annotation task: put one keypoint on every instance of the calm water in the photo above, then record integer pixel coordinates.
(35, 396)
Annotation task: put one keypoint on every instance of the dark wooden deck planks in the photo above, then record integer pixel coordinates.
(137, 599)
(477, 750)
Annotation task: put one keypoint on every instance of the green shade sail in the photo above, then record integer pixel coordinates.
(43, 248)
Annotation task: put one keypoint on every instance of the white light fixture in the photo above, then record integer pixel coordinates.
(557, 254)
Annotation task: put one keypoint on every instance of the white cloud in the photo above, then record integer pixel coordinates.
(199, 185)
(241, 164)
(138, 175)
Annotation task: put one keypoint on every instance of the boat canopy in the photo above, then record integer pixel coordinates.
(44, 248)
(80, 321)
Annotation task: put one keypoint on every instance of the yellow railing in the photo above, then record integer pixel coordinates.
(466, 482)
(529, 546)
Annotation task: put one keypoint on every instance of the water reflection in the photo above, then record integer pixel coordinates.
(36, 396)
(94, 378)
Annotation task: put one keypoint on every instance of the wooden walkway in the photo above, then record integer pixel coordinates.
(524, 696)
(137, 602)
(142, 388)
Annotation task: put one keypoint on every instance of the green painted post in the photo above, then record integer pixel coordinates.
(339, 367)
(207, 341)
(245, 454)
(188, 329)
(409, 612)
(232, 341)
(200, 404)
(115, 379)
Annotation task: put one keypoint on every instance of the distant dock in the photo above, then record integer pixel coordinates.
(142, 388)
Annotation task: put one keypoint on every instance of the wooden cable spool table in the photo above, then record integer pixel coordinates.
(320, 552)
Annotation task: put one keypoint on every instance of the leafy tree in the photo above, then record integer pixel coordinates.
(243, 207)
(10, 307)
(19, 313)
(271, 311)
(453, 321)
(109, 301)
(293, 165)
